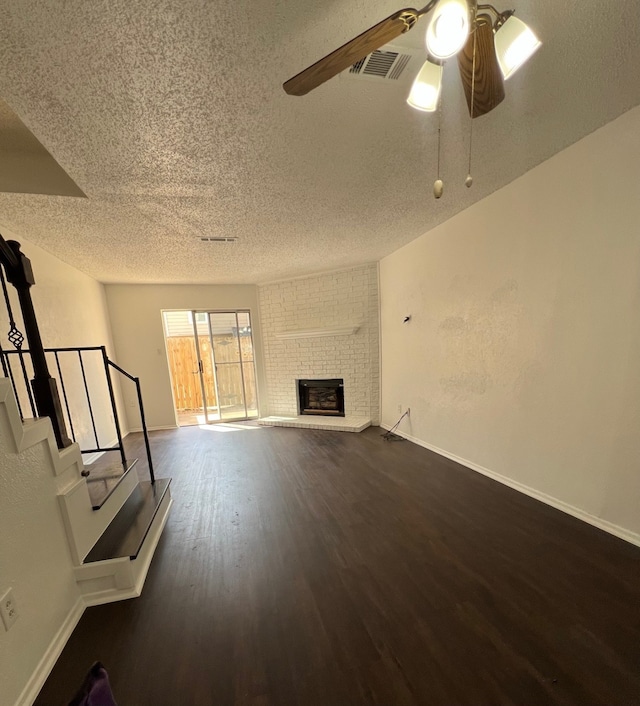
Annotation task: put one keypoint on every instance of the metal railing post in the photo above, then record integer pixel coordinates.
(15, 389)
(4, 362)
(144, 431)
(64, 395)
(86, 392)
(142, 417)
(112, 397)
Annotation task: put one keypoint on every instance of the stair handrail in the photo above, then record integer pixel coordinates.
(108, 365)
(145, 433)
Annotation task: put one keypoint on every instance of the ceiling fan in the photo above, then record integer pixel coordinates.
(490, 46)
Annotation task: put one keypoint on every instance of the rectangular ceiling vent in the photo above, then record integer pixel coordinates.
(391, 65)
(216, 239)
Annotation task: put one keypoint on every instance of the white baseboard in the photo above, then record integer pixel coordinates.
(46, 664)
(616, 530)
(161, 428)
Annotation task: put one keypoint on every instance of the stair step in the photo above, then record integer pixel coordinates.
(104, 477)
(128, 529)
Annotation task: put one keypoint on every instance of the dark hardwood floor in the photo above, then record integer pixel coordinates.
(325, 568)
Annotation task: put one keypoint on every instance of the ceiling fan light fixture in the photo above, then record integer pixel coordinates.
(515, 43)
(425, 90)
(449, 28)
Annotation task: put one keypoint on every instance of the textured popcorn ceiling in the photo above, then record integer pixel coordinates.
(170, 116)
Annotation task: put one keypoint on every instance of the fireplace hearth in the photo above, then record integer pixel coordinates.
(321, 397)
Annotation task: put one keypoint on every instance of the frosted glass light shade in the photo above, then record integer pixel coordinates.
(425, 90)
(515, 43)
(449, 28)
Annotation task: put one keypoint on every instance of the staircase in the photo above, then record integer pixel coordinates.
(116, 566)
(111, 538)
(104, 477)
(113, 521)
(81, 527)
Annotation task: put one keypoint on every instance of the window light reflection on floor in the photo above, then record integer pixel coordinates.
(227, 427)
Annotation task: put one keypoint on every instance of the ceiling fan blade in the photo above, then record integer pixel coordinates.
(489, 84)
(351, 52)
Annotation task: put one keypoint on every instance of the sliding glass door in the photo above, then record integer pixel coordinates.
(227, 365)
(212, 366)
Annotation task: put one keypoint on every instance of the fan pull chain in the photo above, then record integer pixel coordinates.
(438, 186)
(469, 180)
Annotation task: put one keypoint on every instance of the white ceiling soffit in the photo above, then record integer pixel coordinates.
(25, 165)
(170, 116)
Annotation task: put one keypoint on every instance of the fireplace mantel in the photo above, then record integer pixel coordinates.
(318, 332)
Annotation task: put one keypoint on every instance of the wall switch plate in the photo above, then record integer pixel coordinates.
(8, 609)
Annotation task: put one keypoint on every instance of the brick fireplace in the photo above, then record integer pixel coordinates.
(323, 327)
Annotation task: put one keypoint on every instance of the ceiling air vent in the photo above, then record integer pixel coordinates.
(390, 64)
(216, 239)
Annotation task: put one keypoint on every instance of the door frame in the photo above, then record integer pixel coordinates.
(208, 312)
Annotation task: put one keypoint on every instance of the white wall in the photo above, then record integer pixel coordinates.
(333, 299)
(71, 310)
(34, 561)
(523, 352)
(138, 336)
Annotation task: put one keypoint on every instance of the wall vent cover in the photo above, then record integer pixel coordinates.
(217, 239)
(391, 65)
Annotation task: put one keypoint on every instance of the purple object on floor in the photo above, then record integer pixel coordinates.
(95, 690)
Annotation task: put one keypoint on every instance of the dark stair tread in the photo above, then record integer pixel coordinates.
(127, 531)
(104, 478)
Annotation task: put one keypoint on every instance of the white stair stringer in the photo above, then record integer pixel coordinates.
(84, 526)
(121, 578)
(66, 463)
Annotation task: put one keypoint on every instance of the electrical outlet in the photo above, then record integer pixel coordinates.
(399, 409)
(8, 609)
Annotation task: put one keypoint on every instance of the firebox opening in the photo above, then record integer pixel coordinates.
(322, 397)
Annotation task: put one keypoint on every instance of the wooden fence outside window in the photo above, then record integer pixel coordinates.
(183, 363)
